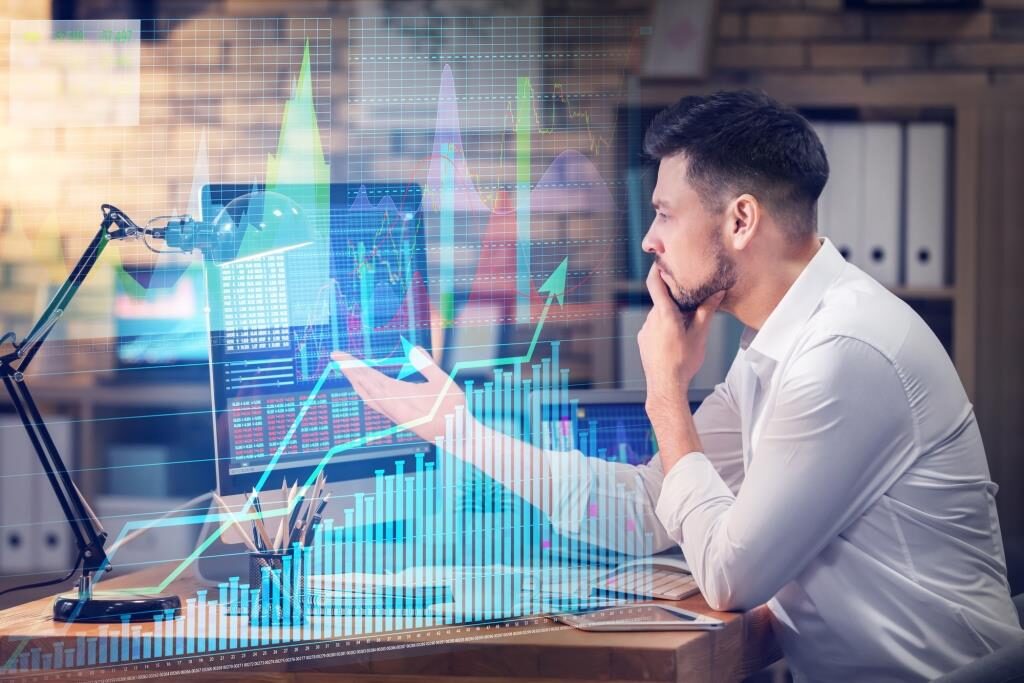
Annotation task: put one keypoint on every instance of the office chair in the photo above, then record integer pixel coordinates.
(1005, 665)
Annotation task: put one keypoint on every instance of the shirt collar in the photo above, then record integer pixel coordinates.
(773, 341)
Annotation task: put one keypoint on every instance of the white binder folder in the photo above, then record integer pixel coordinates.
(822, 129)
(18, 466)
(35, 536)
(844, 224)
(51, 537)
(631, 369)
(883, 151)
(927, 204)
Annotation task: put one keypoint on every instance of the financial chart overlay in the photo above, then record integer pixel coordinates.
(499, 119)
(475, 199)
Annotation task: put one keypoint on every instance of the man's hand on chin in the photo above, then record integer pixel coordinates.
(672, 350)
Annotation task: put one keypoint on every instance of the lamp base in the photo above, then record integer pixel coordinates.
(114, 607)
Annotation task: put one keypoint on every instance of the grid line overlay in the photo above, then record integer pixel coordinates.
(528, 109)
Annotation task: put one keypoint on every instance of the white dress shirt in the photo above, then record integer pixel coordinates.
(843, 481)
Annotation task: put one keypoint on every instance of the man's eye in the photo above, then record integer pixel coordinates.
(662, 216)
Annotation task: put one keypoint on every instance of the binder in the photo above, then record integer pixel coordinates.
(822, 129)
(18, 468)
(51, 538)
(631, 369)
(35, 536)
(883, 152)
(844, 221)
(927, 204)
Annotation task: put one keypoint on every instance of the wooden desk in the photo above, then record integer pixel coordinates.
(535, 649)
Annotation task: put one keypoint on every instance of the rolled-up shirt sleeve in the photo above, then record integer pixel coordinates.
(613, 505)
(836, 436)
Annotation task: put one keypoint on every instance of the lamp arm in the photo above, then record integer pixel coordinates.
(115, 226)
(86, 527)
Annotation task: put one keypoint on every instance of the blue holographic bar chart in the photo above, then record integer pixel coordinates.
(451, 565)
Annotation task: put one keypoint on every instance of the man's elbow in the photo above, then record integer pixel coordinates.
(730, 601)
(733, 591)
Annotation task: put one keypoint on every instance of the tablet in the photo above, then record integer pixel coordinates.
(638, 618)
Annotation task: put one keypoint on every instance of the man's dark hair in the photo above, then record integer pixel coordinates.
(743, 141)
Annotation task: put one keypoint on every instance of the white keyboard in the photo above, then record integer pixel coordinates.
(647, 582)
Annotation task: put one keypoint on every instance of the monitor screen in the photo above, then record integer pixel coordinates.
(619, 432)
(355, 280)
(159, 315)
(610, 424)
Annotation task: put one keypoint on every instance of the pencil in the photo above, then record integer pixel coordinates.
(258, 522)
(231, 516)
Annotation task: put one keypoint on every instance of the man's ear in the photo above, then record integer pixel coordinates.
(744, 219)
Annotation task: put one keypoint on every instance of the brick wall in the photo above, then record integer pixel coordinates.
(820, 42)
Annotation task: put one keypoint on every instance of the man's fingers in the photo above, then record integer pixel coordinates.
(346, 361)
(364, 382)
(657, 288)
(354, 369)
(368, 383)
(379, 390)
(403, 403)
(348, 366)
(426, 366)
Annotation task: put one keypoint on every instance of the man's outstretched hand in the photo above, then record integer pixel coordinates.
(419, 406)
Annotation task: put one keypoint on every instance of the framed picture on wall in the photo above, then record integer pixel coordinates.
(682, 37)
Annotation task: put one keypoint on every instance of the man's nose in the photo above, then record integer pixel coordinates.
(651, 244)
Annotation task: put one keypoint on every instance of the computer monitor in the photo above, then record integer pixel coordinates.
(610, 424)
(160, 320)
(358, 283)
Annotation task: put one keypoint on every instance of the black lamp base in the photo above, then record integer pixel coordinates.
(113, 608)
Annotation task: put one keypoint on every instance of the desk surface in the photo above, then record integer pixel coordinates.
(528, 648)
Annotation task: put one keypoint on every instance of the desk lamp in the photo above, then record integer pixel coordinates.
(276, 220)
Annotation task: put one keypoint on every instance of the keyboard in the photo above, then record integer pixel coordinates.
(647, 582)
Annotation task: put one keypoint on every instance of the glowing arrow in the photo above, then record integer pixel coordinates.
(408, 368)
(555, 284)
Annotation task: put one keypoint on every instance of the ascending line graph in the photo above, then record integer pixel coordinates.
(554, 287)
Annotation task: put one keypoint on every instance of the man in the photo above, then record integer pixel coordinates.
(838, 473)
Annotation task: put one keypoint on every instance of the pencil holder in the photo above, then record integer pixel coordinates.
(279, 590)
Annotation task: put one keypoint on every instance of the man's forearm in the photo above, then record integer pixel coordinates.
(674, 428)
(583, 497)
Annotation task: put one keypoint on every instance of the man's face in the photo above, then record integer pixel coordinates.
(686, 239)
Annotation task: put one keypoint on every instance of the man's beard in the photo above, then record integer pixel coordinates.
(724, 277)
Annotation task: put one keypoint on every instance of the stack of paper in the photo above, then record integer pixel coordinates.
(376, 593)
